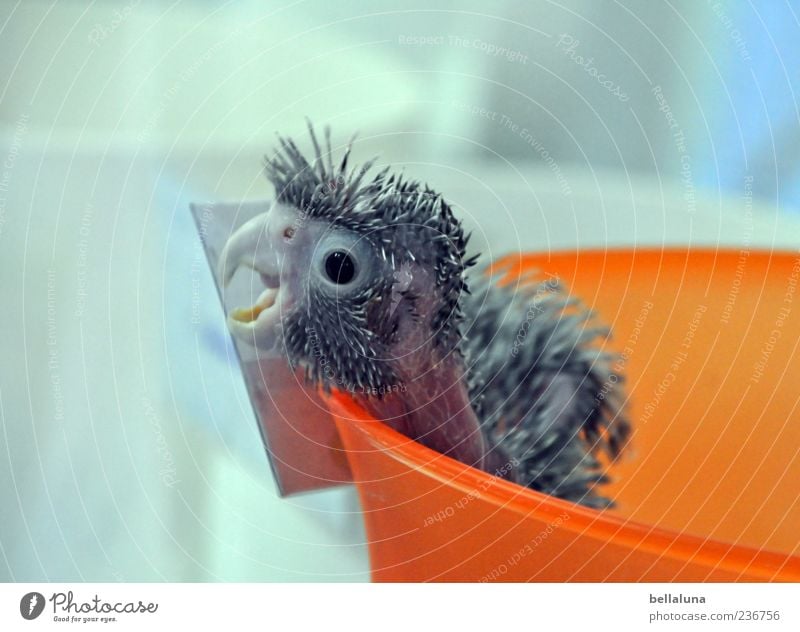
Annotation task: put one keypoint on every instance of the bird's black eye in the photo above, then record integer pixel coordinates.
(340, 267)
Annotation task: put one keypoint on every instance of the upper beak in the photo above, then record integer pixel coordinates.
(248, 246)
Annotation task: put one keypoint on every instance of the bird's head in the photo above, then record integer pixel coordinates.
(362, 273)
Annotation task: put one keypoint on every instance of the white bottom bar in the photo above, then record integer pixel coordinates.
(374, 607)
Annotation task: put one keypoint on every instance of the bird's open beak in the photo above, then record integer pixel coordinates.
(250, 247)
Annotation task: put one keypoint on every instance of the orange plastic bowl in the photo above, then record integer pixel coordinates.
(709, 488)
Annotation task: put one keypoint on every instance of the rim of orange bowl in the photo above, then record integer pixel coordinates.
(602, 525)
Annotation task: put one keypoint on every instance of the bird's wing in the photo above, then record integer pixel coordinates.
(545, 389)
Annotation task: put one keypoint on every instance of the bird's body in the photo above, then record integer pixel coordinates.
(367, 292)
(544, 390)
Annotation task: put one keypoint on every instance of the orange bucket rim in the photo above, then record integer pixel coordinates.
(585, 521)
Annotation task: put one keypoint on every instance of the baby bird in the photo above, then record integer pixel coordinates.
(368, 290)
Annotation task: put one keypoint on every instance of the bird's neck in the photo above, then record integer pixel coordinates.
(430, 403)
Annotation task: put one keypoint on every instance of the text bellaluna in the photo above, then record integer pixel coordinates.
(679, 598)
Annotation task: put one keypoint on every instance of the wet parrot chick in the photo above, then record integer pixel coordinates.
(367, 289)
